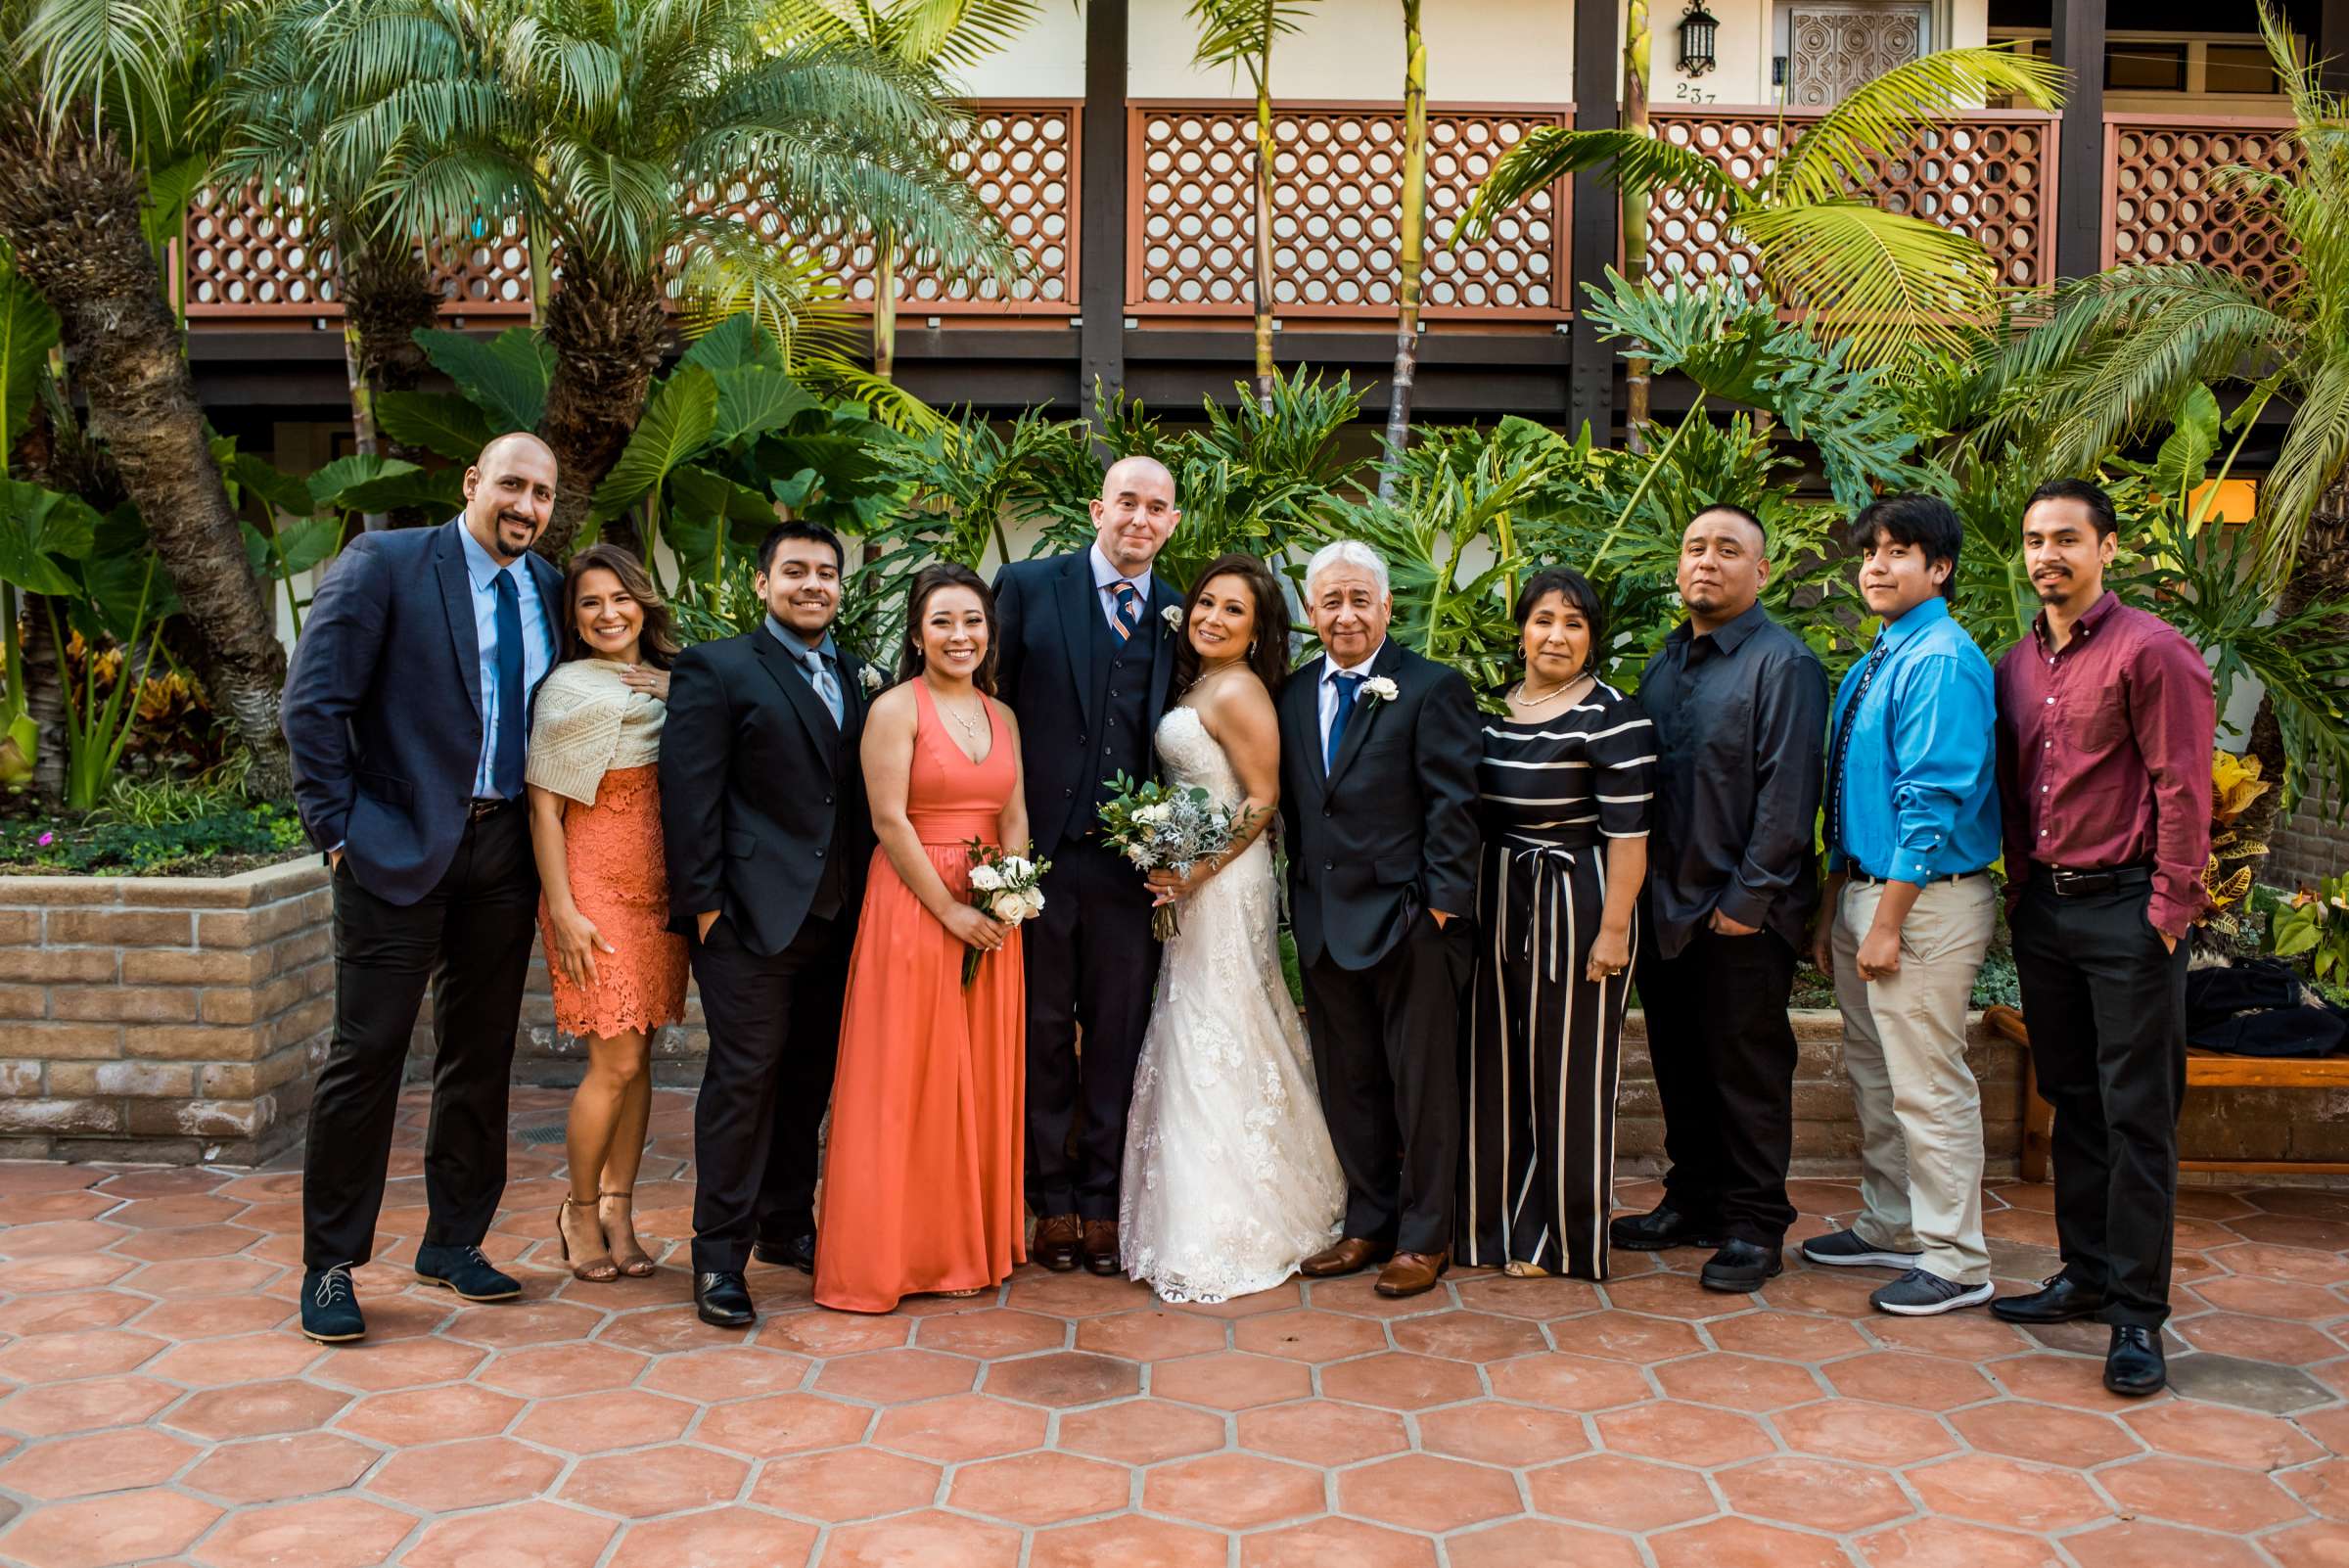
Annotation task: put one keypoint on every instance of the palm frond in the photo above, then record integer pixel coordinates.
(956, 34)
(114, 65)
(2314, 458)
(1886, 117)
(1627, 158)
(1239, 33)
(1892, 285)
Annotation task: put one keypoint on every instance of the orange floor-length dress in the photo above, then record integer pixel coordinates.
(922, 1188)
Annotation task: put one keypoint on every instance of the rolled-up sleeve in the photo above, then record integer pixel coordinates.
(1944, 742)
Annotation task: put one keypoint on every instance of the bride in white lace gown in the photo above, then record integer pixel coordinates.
(1231, 1179)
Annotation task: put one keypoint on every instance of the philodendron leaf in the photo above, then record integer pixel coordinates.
(435, 421)
(505, 377)
(28, 330)
(2184, 460)
(39, 531)
(675, 427)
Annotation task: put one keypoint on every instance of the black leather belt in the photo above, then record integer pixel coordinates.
(1871, 879)
(487, 805)
(2085, 884)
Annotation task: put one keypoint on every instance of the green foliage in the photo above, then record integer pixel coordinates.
(505, 377)
(113, 842)
(28, 330)
(41, 533)
(2315, 925)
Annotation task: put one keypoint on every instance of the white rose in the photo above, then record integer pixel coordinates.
(985, 878)
(1139, 854)
(1007, 907)
(869, 678)
(1173, 616)
(1381, 687)
(1034, 899)
(1155, 814)
(1017, 870)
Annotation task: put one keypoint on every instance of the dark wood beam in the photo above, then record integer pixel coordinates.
(2079, 40)
(1102, 197)
(1598, 61)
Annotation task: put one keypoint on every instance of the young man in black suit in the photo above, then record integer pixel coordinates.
(407, 711)
(1378, 751)
(767, 836)
(1086, 657)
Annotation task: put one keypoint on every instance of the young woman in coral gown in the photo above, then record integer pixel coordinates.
(922, 1170)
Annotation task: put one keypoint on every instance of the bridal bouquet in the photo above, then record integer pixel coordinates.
(1005, 888)
(1164, 827)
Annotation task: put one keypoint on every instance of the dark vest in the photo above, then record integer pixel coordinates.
(1122, 699)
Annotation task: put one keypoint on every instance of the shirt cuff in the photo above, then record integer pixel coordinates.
(1743, 905)
(2171, 916)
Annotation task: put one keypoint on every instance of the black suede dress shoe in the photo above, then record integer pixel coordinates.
(796, 1253)
(466, 1271)
(2061, 1299)
(723, 1301)
(1740, 1266)
(1660, 1227)
(2133, 1365)
(330, 1311)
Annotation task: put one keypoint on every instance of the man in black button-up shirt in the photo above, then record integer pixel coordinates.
(1740, 710)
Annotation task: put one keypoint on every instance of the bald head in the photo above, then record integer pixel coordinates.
(1136, 513)
(510, 493)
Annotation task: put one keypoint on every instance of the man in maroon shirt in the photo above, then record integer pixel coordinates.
(2106, 728)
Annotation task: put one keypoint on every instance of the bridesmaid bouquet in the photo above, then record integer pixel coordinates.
(1005, 888)
(1162, 827)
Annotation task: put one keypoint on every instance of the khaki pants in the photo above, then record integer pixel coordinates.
(1904, 1043)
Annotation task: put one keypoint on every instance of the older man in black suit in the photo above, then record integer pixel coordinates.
(1378, 751)
(406, 710)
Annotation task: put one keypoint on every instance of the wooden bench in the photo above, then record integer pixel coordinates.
(2203, 1070)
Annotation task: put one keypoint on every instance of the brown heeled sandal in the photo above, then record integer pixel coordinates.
(600, 1271)
(636, 1263)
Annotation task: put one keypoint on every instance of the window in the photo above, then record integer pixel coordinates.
(2143, 66)
(2235, 67)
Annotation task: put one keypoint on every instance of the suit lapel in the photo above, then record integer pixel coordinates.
(1162, 661)
(456, 592)
(1365, 712)
(1078, 601)
(1302, 701)
(550, 588)
(799, 695)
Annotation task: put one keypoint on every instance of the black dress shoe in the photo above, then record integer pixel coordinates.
(2061, 1299)
(723, 1301)
(2133, 1365)
(1740, 1266)
(1660, 1227)
(796, 1253)
(467, 1270)
(330, 1311)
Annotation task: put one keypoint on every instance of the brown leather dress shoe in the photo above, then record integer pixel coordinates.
(1352, 1253)
(1101, 1256)
(1412, 1273)
(1057, 1241)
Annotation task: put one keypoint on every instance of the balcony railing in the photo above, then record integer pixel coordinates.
(2164, 200)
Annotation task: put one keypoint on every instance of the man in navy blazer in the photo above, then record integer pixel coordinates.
(407, 711)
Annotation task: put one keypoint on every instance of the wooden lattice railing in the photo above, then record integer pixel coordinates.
(2163, 200)
(1337, 182)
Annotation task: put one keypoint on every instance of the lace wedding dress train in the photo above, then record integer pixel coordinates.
(1230, 1180)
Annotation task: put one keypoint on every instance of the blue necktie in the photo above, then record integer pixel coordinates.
(505, 766)
(1130, 610)
(819, 676)
(1348, 687)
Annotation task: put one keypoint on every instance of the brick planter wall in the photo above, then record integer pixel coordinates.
(173, 1019)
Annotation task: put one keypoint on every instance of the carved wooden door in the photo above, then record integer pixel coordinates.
(1833, 46)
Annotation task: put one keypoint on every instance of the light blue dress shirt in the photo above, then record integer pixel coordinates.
(538, 649)
(797, 646)
(1106, 577)
(1921, 796)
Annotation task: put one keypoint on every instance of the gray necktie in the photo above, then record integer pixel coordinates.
(819, 676)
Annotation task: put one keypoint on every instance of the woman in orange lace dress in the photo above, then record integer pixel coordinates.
(922, 1168)
(595, 823)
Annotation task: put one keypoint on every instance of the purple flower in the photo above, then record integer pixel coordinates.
(45, 840)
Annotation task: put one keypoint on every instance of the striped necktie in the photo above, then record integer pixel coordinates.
(1843, 744)
(1129, 616)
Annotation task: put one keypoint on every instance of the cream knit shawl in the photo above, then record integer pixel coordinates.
(588, 724)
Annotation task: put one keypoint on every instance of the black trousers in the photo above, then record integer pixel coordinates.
(470, 938)
(1386, 1055)
(1092, 967)
(1723, 1054)
(775, 1038)
(2106, 1006)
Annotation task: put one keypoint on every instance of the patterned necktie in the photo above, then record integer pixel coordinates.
(819, 676)
(1349, 687)
(505, 766)
(1129, 616)
(1843, 744)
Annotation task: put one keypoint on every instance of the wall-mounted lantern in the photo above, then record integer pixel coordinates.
(1699, 28)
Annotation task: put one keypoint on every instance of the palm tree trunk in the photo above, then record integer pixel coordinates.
(387, 294)
(1264, 226)
(70, 208)
(1413, 246)
(1634, 216)
(45, 696)
(605, 334)
(885, 304)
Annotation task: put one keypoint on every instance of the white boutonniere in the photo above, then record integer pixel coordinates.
(869, 678)
(1173, 617)
(1380, 689)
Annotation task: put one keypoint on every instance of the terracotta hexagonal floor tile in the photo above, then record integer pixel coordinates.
(2322, 1488)
(1467, 1336)
(1492, 1433)
(1622, 1494)
(729, 1373)
(2138, 1545)
(2269, 1298)
(1279, 1299)
(664, 1480)
(2055, 1379)
(89, 1353)
(75, 1271)
(1745, 1542)
(1535, 1298)
(2325, 1544)
(1230, 1380)
(2045, 1433)
(527, 1535)
(63, 1238)
(1960, 1336)
(844, 1484)
(1738, 1382)
(374, 1369)
(53, 1409)
(2259, 1339)
(1421, 1492)
(1993, 1490)
(75, 1310)
(896, 1376)
(1948, 1544)
(1306, 1335)
(990, 1332)
(273, 1469)
(1358, 1295)
(822, 1334)
(659, 1330)
(470, 1474)
(99, 1462)
(212, 1318)
(1233, 1490)
(1038, 1489)
(1868, 1434)
(1063, 1379)
(2211, 1497)
(1129, 1542)
(958, 1427)
(1619, 1336)
(189, 1241)
(1074, 1295)
(720, 1537)
(550, 1371)
(239, 1358)
(782, 1423)
(1786, 1336)
(99, 1532)
(1901, 1377)
(504, 1325)
(1572, 1383)
(256, 1410)
(1398, 1380)
(1142, 1431)
(1829, 1292)
(928, 1540)
(1324, 1432)
(1673, 1295)
(1325, 1541)
(1152, 1334)
(431, 1414)
(320, 1533)
(1686, 1434)
(2194, 1430)
(1818, 1493)
(599, 1424)
(1521, 1542)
